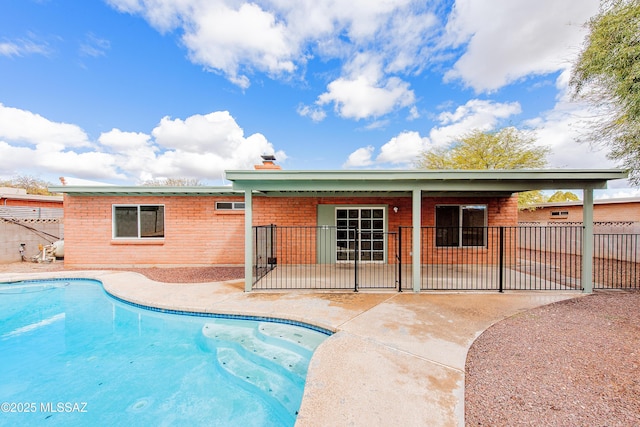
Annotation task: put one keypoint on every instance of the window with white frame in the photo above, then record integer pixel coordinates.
(230, 206)
(138, 221)
(461, 225)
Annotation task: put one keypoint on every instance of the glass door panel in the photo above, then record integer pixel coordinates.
(371, 227)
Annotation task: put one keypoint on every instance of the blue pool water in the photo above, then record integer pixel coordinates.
(72, 355)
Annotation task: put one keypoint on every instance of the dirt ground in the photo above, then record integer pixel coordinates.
(167, 275)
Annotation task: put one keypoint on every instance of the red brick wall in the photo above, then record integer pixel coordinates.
(302, 211)
(197, 234)
(31, 203)
(602, 212)
(500, 212)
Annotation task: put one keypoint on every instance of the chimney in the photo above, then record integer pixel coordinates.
(267, 163)
(63, 181)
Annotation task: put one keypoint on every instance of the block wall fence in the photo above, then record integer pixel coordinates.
(30, 232)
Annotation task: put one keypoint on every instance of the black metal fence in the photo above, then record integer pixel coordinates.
(452, 258)
(496, 258)
(616, 261)
(324, 257)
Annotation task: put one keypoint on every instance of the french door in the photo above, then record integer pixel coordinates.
(361, 234)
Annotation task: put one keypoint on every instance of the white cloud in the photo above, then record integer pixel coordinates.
(563, 129)
(133, 152)
(224, 38)
(124, 142)
(560, 132)
(616, 193)
(94, 46)
(28, 128)
(507, 40)
(403, 149)
(413, 113)
(360, 158)
(400, 151)
(279, 37)
(315, 113)
(361, 98)
(475, 114)
(206, 145)
(216, 131)
(23, 47)
(200, 146)
(43, 160)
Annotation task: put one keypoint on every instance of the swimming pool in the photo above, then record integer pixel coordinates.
(72, 355)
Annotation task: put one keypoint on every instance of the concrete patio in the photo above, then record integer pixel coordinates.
(395, 359)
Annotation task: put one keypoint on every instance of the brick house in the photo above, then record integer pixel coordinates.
(622, 210)
(18, 197)
(199, 226)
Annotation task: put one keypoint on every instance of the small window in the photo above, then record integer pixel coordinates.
(138, 221)
(230, 206)
(559, 214)
(461, 225)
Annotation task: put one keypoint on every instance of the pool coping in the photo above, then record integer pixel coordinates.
(393, 357)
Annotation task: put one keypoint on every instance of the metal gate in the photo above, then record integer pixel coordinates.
(324, 257)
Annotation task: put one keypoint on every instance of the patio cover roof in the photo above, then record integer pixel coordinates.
(429, 182)
(371, 182)
(419, 183)
(142, 190)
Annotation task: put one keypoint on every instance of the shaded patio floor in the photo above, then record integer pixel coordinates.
(454, 277)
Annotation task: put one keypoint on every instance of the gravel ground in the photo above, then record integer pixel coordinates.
(167, 275)
(572, 363)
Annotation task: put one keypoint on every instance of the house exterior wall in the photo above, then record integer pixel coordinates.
(197, 234)
(30, 203)
(10, 196)
(302, 211)
(602, 212)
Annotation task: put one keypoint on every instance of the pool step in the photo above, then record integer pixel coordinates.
(290, 357)
(274, 385)
(301, 337)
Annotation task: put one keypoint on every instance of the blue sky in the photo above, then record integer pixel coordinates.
(123, 91)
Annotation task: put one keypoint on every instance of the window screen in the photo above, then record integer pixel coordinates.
(461, 225)
(138, 222)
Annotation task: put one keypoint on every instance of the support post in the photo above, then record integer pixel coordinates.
(587, 241)
(248, 240)
(399, 259)
(356, 255)
(501, 262)
(416, 213)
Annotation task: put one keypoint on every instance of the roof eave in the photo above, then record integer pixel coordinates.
(104, 190)
(484, 180)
